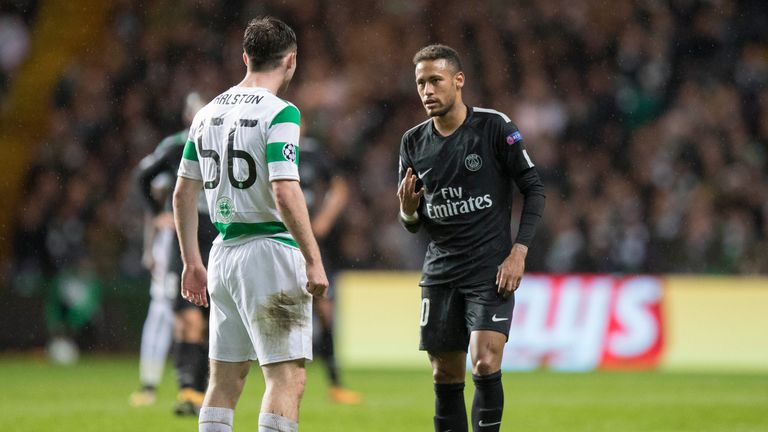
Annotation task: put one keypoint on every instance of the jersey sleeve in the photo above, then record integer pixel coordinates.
(511, 149)
(282, 150)
(518, 163)
(190, 165)
(403, 165)
(162, 160)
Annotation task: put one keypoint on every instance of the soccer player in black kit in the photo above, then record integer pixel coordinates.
(190, 351)
(456, 173)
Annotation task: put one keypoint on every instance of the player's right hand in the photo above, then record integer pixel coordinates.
(194, 285)
(409, 197)
(317, 281)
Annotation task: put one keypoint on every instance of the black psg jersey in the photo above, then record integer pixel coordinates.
(315, 171)
(467, 203)
(164, 160)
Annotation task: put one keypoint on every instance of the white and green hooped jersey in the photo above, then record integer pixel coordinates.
(238, 144)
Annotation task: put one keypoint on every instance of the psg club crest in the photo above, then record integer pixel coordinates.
(473, 162)
(289, 152)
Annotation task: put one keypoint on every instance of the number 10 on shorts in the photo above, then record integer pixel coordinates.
(424, 312)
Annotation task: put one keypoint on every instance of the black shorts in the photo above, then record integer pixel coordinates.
(449, 314)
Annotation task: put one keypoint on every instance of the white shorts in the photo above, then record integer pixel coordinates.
(260, 308)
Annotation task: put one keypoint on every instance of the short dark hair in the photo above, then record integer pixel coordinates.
(266, 41)
(437, 52)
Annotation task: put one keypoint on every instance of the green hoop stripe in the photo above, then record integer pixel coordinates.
(287, 241)
(190, 152)
(275, 153)
(289, 114)
(237, 229)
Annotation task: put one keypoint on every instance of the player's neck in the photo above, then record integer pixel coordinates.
(272, 80)
(447, 123)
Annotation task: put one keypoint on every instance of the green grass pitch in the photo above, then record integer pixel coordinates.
(92, 396)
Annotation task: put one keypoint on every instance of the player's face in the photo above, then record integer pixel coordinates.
(438, 84)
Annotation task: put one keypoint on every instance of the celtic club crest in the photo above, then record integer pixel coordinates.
(225, 209)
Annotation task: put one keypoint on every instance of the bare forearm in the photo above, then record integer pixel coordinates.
(334, 202)
(185, 218)
(290, 202)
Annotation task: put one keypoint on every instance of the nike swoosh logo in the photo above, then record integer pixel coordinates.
(494, 318)
(422, 174)
(481, 424)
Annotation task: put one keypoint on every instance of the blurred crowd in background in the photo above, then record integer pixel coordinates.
(648, 121)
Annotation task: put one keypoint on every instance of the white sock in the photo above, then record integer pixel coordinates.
(215, 419)
(275, 423)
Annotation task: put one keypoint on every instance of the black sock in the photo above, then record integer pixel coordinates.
(450, 412)
(326, 351)
(488, 404)
(201, 376)
(186, 360)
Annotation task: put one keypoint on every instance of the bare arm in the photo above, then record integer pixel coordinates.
(335, 200)
(194, 276)
(293, 209)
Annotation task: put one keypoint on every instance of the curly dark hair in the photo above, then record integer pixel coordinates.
(266, 41)
(436, 52)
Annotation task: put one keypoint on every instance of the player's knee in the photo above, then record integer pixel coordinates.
(292, 379)
(297, 382)
(443, 375)
(485, 365)
(288, 386)
(189, 326)
(225, 393)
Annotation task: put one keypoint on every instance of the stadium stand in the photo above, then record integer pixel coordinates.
(648, 121)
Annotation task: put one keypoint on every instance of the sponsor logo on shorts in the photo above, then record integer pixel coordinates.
(494, 318)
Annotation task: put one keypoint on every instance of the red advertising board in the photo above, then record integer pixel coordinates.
(586, 322)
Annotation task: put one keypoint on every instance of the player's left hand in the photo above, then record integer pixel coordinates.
(511, 271)
(194, 285)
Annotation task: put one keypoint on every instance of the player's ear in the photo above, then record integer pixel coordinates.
(291, 60)
(458, 79)
(245, 59)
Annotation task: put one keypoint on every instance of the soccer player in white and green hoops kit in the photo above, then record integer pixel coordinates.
(265, 266)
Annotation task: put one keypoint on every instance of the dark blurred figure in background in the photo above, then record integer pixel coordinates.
(190, 354)
(325, 187)
(156, 335)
